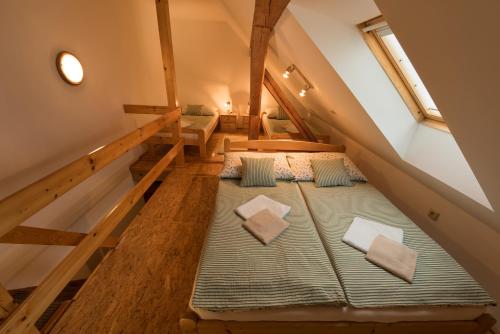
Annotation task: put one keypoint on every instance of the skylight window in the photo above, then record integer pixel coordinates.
(400, 70)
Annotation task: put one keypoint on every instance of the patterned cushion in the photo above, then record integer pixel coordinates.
(282, 114)
(233, 170)
(257, 172)
(302, 171)
(330, 173)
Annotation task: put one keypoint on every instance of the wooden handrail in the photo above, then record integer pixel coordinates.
(27, 313)
(281, 145)
(23, 204)
(145, 109)
(27, 235)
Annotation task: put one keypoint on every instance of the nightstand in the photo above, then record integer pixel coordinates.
(243, 121)
(228, 122)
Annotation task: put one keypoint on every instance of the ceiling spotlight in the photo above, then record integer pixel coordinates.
(288, 70)
(303, 91)
(69, 68)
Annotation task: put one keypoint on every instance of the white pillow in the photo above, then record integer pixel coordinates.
(300, 165)
(233, 170)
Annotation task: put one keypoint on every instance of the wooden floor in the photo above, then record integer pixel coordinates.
(144, 285)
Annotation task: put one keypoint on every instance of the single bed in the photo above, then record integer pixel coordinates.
(308, 281)
(196, 130)
(285, 129)
(439, 280)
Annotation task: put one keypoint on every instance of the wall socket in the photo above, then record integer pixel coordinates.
(433, 215)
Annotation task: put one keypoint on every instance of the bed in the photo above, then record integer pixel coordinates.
(285, 129)
(308, 281)
(196, 130)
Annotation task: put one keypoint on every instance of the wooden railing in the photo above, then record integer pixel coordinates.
(26, 202)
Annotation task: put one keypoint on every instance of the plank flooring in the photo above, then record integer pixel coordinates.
(144, 285)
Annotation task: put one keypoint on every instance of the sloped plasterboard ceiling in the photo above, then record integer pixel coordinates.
(333, 103)
(461, 73)
(371, 114)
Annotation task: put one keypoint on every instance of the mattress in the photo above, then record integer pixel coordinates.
(280, 126)
(237, 272)
(348, 313)
(285, 129)
(204, 123)
(439, 280)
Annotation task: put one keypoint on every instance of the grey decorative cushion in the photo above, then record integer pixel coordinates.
(330, 173)
(193, 109)
(300, 165)
(233, 167)
(257, 172)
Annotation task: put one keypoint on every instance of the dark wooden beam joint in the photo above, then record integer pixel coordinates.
(266, 14)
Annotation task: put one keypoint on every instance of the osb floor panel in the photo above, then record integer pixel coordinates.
(144, 285)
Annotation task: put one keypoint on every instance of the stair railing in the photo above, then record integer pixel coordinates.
(24, 203)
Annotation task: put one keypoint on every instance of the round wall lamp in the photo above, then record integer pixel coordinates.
(69, 68)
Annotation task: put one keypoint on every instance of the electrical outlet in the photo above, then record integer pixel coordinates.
(433, 215)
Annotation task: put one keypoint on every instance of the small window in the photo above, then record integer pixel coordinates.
(399, 69)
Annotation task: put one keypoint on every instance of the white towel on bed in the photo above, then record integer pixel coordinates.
(362, 232)
(260, 203)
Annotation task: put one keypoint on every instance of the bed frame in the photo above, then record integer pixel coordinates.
(190, 323)
(200, 140)
(292, 136)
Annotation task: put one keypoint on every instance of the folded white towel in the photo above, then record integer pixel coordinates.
(362, 232)
(265, 226)
(260, 203)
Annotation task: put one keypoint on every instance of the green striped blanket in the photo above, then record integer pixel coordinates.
(237, 272)
(439, 279)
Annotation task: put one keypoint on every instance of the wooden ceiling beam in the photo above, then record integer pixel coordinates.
(266, 14)
(167, 51)
(273, 88)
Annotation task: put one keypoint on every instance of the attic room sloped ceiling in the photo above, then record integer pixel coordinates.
(466, 228)
(433, 151)
(461, 73)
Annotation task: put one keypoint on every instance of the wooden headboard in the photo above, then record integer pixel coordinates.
(281, 145)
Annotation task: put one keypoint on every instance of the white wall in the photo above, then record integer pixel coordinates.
(212, 58)
(46, 123)
(455, 52)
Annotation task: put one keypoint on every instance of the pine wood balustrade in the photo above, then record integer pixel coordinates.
(21, 205)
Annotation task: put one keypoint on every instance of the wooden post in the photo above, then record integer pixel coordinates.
(177, 136)
(167, 50)
(266, 14)
(6, 303)
(273, 88)
(7, 306)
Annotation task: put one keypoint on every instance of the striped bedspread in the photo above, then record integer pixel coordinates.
(439, 279)
(237, 272)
